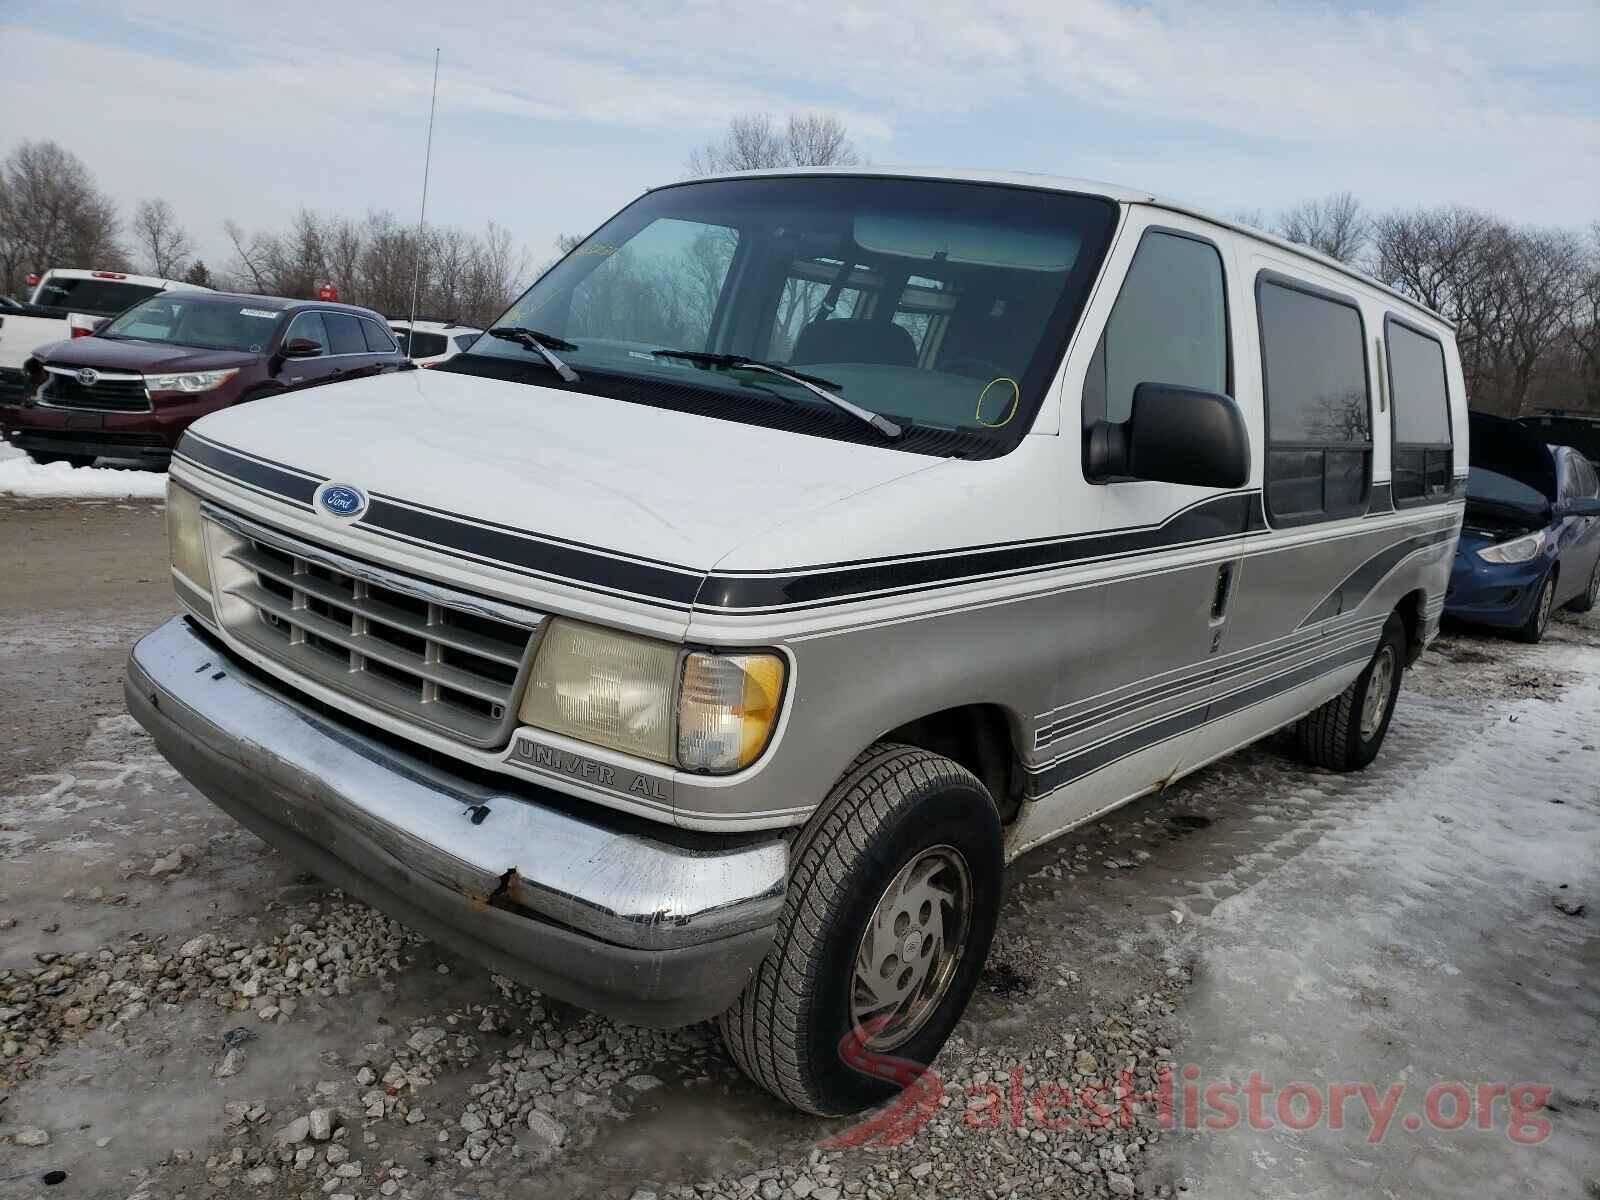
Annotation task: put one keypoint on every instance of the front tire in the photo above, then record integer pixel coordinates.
(1532, 630)
(893, 899)
(1346, 733)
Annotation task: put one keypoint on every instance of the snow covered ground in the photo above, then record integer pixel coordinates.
(1434, 942)
(21, 476)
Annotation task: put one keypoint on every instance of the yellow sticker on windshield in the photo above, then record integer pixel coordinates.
(1010, 408)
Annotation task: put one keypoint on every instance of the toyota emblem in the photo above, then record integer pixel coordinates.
(88, 376)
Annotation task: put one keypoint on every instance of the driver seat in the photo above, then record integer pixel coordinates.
(855, 340)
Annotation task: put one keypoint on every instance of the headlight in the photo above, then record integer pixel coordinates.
(1518, 550)
(186, 537)
(628, 693)
(727, 710)
(192, 381)
(611, 689)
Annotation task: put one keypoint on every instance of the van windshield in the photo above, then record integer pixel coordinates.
(182, 320)
(942, 305)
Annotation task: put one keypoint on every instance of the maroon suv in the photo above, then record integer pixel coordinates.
(131, 389)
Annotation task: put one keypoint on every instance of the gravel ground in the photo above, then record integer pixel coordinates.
(184, 1014)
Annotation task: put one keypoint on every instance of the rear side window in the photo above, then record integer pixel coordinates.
(1419, 399)
(1319, 408)
(344, 333)
(378, 339)
(464, 340)
(1169, 325)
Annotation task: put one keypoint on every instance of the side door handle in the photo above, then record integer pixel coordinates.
(1219, 604)
(1223, 593)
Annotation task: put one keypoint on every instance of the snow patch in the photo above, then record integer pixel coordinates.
(21, 476)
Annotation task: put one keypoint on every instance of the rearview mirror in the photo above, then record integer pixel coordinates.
(1581, 506)
(300, 348)
(1172, 435)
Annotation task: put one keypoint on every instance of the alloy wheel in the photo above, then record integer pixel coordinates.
(1376, 703)
(911, 947)
(1547, 599)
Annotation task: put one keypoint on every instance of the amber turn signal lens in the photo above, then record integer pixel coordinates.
(727, 709)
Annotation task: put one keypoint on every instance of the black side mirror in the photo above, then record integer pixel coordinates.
(300, 348)
(1173, 435)
(1580, 506)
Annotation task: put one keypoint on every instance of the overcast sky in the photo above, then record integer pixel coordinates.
(551, 116)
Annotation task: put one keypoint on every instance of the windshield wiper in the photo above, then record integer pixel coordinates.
(540, 344)
(817, 387)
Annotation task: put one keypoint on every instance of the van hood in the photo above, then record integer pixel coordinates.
(115, 354)
(671, 487)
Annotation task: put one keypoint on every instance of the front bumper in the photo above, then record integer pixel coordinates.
(146, 447)
(147, 434)
(1498, 594)
(643, 924)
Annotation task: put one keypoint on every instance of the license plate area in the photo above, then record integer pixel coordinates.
(86, 421)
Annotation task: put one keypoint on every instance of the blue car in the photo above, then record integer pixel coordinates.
(1530, 539)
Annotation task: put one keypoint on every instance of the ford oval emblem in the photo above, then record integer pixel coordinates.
(342, 501)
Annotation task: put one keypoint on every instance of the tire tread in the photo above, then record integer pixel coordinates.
(764, 1027)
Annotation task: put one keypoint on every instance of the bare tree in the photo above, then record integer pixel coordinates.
(819, 140)
(1447, 259)
(754, 142)
(1511, 291)
(1335, 225)
(162, 242)
(249, 257)
(1581, 335)
(1539, 288)
(52, 215)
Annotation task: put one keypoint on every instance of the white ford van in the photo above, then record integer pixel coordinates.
(794, 553)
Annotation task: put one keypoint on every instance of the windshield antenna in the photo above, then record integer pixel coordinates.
(422, 213)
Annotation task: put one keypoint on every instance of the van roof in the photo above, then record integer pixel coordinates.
(1092, 187)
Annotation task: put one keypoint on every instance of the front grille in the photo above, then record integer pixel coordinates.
(446, 660)
(107, 395)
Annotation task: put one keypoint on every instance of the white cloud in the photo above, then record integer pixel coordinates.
(552, 115)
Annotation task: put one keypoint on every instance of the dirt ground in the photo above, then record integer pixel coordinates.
(185, 1014)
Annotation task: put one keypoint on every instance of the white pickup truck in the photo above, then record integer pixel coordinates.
(69, 303)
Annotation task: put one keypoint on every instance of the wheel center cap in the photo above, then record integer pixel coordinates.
(912, 950)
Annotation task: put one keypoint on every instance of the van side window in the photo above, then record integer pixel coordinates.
(1319, 407)
(1169, 325)
(1419, 401)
